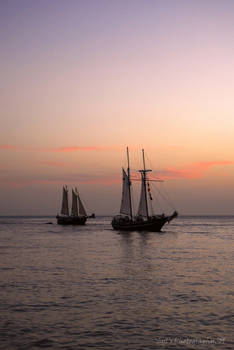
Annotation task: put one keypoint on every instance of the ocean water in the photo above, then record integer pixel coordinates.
(90, 287)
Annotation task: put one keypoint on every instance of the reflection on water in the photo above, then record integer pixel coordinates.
(77, 288)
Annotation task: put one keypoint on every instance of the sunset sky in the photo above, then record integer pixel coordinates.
(81, 80)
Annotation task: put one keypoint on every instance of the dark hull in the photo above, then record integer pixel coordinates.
(153, 224)
(71, 220)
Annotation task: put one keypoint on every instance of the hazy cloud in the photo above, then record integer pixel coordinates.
(9, 147)
(192, 171)
(19, 180)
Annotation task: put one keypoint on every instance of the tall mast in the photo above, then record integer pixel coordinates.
(143, 174)
(129, 185)
(144, 183)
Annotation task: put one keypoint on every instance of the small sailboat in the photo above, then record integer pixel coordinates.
(143, 221)
(78, 213)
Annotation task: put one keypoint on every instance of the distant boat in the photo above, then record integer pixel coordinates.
(78, 213)
(143, 221)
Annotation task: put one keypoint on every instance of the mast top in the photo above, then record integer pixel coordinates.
(144, 170)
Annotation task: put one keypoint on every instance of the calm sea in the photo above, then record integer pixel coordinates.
(94, 288)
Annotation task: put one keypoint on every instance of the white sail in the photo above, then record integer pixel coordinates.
(82, 210)
(142, 209)
(126, 200)
(65, 209)
(74, 210)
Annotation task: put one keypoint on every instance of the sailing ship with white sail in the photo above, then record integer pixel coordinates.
(78, 213)
(143, 220)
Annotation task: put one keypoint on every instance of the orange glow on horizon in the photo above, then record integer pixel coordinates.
(192, 171)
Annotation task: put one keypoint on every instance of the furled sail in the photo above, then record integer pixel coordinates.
(126, 200)
(74, 210)
(82, 210)
(65, 210)
(142, 209)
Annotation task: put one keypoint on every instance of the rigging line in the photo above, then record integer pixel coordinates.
(155, 198)
(149, 161)
(164, 194)
(166, 198)
(164, 203)
(151, 166)
(138, 162)
(156, 177)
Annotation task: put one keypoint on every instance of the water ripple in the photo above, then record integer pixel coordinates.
(91, 288)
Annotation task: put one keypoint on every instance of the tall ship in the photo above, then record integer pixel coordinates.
(78, 214)
(144, 220)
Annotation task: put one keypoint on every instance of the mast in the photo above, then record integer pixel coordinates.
(129, 185)
(144, 183)
(143, 204)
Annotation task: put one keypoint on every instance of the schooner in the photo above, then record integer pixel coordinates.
(143, 221)
(78, 213)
